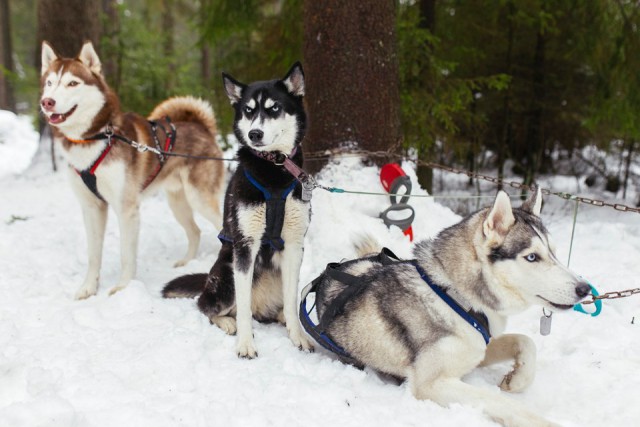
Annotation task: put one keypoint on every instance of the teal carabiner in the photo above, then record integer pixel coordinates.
(598, 303)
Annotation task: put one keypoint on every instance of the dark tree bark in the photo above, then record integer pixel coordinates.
(205, 66)
(631, 145)
(428, 22)
(7, 100)
(507, 131)
(351, 74)
(168, 25)
(112, 46)
(534, 137)
(67, 24)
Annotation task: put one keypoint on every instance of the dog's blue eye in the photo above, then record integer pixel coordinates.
(275, 108)
(248, 110)
(532, 257)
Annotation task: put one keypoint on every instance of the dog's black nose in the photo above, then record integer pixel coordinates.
(583, 289)
(256, 135)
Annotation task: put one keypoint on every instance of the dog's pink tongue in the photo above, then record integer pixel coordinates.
(56, 118)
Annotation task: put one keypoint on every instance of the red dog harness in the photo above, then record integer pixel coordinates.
(89, 175)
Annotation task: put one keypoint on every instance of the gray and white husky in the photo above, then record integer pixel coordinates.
(265, 217)
(494, 263)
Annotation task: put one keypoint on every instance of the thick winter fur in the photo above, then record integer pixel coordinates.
(498, 261)
(78, 104)
(250, 279)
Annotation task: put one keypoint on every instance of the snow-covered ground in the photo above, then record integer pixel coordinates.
(134, 359)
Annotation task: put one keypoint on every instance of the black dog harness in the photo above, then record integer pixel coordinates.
(354, 284)
(88, 175)
(275, 199)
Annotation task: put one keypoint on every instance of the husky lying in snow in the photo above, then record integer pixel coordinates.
(495, 263)
(266, 215)
(82, 112)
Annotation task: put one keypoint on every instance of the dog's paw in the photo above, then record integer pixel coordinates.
(86, 291)
(246, 350)
(181, 262)
(226, 323)
(116, 288)
(517, 380)
(299, 340)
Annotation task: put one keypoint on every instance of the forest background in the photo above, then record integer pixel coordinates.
(515, 86)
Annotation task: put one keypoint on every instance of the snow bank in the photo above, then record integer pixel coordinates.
(18, 142)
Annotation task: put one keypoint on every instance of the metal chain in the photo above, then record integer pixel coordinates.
(386, 154)
(513, 184)
(613, 295)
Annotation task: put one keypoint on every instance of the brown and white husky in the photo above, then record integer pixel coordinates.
(87, 124)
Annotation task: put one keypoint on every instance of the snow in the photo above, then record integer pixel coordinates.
(134, 359)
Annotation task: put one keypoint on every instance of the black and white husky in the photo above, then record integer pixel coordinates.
(434, 319)
(265, 217)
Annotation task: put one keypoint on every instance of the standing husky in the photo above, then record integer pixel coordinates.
(265, 217)
(87, 123)
(434, 319)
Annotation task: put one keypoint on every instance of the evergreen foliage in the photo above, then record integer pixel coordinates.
(513, 84)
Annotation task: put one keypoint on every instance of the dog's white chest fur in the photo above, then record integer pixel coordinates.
(252, 220)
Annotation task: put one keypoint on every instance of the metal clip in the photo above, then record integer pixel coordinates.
(140, 147)
(280, 163)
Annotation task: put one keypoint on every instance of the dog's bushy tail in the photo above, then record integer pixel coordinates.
(365, 244)
(187, 286)
(187, 109)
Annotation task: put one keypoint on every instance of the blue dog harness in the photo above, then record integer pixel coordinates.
(478, 320)
(275, 200)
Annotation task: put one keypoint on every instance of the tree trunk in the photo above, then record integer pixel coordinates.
(351, 73)
(7, 100)
(66, 25)
(168, 25)
(112, 46)
(631, 145)
(533, 142)
(427, 21)
(507, 133)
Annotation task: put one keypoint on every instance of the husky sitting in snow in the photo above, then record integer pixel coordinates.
(266, 215)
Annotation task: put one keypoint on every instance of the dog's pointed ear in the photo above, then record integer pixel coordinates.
(89, 57)
(294, 80)
(533, 204)
(500, 218)
(48, 56)
(233, 88)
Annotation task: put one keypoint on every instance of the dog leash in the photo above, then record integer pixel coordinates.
(141, 148)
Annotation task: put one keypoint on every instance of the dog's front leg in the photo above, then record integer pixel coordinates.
(291, 263)
(447, 390)
(244, 256)
(522, 350)
(435, 375)
(129, 222)
(94, 213)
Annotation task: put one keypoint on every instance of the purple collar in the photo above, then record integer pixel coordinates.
(276, 157)
(280, 159)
